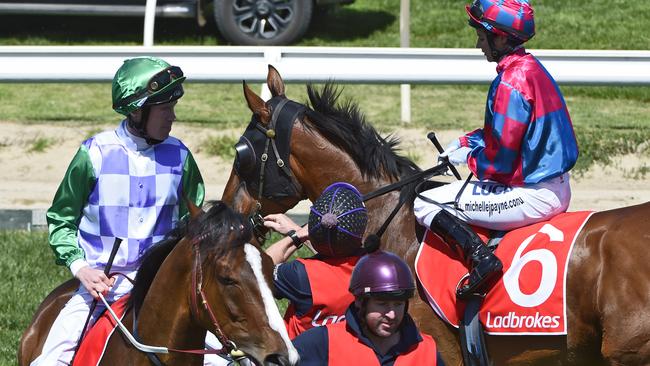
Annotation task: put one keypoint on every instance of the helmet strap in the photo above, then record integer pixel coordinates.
(141, 127)
(497, 54)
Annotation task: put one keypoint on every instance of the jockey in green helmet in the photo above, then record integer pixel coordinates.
(140, 83)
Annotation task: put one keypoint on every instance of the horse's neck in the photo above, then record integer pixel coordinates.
(164, 317)
(322, 163)
(399, 237)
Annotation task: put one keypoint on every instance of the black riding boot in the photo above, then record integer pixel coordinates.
(485, 266)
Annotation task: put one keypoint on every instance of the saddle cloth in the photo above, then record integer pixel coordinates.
(94, 343)
(530, 297)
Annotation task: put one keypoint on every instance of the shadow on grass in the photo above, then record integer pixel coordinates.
(344, 24)
(338, 24)
(88, 30)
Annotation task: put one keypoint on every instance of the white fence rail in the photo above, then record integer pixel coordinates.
(300, 64)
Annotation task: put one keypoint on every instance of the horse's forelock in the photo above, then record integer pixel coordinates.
(220, 230)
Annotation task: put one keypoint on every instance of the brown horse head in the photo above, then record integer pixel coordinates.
(208, 277)
(237, 277)
(326, 143)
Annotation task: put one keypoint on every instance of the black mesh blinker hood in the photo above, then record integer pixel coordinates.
(337, 221)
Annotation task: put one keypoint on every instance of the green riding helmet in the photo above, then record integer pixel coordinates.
(144, 81)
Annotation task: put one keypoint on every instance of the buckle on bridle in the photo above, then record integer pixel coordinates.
(257, 223)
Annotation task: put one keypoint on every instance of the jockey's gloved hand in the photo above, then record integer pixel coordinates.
(459, 156)
(444, 156)
(453, 146)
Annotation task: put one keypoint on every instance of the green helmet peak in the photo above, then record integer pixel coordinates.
(144, 81)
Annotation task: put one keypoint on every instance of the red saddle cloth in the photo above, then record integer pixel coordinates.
(530, 297)
(94, 343)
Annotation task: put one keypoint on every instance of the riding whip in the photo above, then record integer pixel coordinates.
(107, 270)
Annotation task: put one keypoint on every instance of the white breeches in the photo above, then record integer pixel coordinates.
(65, 332)
(496, 206)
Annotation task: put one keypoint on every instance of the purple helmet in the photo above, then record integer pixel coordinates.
(513, 18)
(384, 274)
(337, 221)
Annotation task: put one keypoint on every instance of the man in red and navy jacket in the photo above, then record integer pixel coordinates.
(377, 329)
(316, 286)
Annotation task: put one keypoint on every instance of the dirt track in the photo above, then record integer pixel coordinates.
(30, 179)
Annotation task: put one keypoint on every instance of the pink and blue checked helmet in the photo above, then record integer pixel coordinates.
(512, 18)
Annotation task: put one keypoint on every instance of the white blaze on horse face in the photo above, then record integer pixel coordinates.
(254, 258)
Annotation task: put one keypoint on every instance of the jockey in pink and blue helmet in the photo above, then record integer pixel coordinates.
(510, 18)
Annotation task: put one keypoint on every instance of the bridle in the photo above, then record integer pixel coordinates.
(228, 346)
(270, 141)
(257, 220)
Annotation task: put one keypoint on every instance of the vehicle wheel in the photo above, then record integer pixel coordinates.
(262, 22)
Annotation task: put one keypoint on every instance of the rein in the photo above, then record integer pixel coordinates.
(421, 176)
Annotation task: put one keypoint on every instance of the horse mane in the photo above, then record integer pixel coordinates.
(345, 126)
(218, 231)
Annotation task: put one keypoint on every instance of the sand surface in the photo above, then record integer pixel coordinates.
(29, 179)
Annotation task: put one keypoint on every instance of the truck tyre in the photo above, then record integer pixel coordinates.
(262, 22)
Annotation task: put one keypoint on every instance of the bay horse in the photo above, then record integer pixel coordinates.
(205, 276)
(608, 282)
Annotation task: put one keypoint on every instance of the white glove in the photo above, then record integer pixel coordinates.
(459, 156)
(453, 146)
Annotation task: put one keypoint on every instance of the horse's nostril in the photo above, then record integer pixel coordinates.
(276, 360)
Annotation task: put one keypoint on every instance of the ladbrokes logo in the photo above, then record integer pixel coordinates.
(331, 319)
(515, 321)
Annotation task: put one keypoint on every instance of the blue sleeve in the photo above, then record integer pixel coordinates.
(439, 361)
(313, 347)
(292, 283)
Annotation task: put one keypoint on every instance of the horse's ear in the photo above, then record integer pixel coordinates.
(275, 82)
(193, 209)
(256, 104)
(243, 201)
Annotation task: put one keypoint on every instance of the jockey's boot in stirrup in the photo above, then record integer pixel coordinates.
(485, 266)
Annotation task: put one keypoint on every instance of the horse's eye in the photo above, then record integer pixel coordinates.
(228, 281)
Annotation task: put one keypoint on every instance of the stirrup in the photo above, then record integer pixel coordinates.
(465, 290)
(462, 286)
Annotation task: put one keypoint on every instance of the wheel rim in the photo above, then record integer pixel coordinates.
(263, 19)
